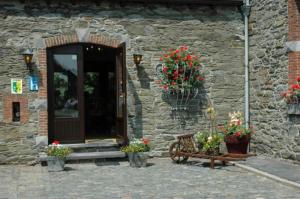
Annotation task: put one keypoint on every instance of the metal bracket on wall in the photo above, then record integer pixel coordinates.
(246, 9)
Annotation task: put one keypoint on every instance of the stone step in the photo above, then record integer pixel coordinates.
(89, 155)
(93, 147)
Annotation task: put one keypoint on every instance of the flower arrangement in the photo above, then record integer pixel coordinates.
(234, 129)
(57, 150)
(180, 70)
(212, 144)
(292, 95)
(137, 145)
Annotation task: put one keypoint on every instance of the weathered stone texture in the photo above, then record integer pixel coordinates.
(275, 132)
(212, 32)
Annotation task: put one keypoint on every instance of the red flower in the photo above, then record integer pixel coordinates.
(298, 79)
(199, 78)
(295, 86)
(186, 78)
(146, 141)
(55, 142)
(238, 134)
(165, 69)
(173, 83)
(175, 73)
(189, 57)
(165, 87)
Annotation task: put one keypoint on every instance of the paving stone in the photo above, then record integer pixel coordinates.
(162, 179)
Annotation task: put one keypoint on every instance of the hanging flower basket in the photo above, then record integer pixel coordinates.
(180, 71)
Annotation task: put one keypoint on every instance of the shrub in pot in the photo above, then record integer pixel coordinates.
(56, 156)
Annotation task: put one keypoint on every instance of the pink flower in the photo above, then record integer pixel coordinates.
(55, 142)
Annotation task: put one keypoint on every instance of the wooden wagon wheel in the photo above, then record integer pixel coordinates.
(174, 148)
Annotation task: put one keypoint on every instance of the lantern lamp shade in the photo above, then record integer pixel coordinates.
(137, 58)
(27, 54)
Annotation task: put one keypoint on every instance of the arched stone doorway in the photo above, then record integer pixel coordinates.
(84, 84)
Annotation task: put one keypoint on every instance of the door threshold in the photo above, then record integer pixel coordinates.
(101, 140)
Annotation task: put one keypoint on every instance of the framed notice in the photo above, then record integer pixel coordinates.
(16, 86)
(33, 83)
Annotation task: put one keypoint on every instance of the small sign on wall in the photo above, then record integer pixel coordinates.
(33, 83)
(16, 86)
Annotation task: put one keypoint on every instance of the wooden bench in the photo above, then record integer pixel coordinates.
(185, 147)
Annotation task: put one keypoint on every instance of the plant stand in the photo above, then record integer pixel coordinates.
(55, 164)
(138, 159)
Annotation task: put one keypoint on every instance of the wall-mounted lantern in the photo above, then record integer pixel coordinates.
(27, 55)
(137, 58)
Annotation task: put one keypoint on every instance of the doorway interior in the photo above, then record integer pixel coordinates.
(99, 69)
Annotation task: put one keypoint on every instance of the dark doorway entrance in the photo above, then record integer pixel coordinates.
(86, 93)
(100, 91)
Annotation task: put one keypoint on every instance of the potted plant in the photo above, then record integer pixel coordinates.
(201, 139)
(180, 71)
(292, 98)
(212, 145)
(136, 151)
(56, 156)
(236, 135)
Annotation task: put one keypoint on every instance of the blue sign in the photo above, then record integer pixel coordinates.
(33, 83)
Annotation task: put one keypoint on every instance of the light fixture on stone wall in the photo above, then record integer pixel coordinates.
(27, 55)
(137, 58)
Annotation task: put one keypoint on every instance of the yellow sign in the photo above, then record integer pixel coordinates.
(16, 86)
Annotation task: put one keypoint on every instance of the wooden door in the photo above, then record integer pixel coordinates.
(121, 92)
(65, 94)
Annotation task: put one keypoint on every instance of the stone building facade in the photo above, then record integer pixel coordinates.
(215, 32)
(273, 67)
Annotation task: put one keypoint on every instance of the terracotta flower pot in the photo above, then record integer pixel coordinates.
(237, 145)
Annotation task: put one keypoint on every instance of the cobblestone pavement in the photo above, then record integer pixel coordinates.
(162, 180)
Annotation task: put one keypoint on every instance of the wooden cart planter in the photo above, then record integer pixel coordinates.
(184, 148)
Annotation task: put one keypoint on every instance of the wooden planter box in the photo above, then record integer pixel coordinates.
(294, 109)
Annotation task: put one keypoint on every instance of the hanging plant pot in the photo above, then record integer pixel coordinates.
(237, 145)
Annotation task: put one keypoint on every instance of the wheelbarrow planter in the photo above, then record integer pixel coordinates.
(184, 147)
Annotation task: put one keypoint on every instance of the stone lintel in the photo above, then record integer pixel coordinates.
(293, 46)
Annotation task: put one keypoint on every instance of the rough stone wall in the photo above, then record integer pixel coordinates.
(276, 133)
(214, 32)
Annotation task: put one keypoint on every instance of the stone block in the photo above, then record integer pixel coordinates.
(41, 141)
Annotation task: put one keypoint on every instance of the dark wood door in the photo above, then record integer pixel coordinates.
(121, 92)
(65, 94)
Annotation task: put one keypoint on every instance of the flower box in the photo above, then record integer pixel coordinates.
(293, 109)
(55, 163)
(138, 159)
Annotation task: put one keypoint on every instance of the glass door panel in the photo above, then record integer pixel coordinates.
(65, 86)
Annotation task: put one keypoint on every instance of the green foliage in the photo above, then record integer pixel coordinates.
(58, 151)
(201, 137)
(137, 146)
(213, 142)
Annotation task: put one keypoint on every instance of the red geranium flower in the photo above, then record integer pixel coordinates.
(238, 134)
(146, 141)
(55, 142)
(298, 79)
(165, 69)
(295, 86)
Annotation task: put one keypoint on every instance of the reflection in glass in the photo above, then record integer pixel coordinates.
(65, 86)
